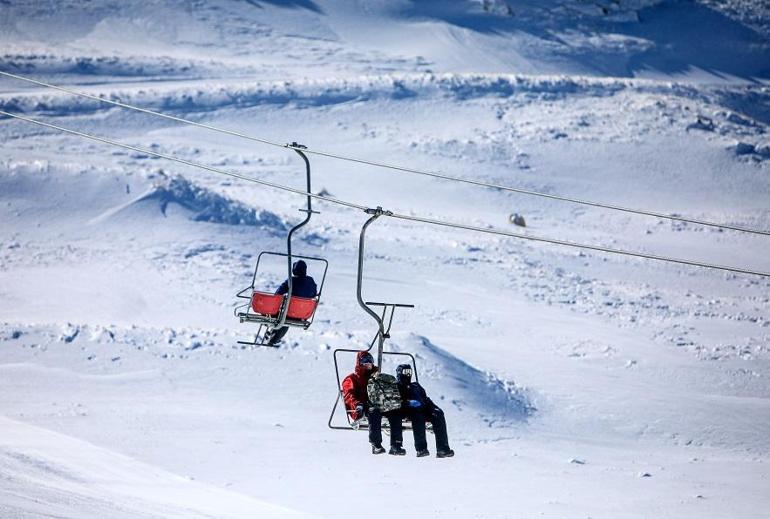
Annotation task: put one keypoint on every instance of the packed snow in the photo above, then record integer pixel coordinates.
(575, 383)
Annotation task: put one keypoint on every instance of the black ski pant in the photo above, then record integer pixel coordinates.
(435, 416)
(375, 427)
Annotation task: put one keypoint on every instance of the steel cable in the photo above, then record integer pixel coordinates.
(187, 162)
(396, 167)
(429, 221)
(578, 245)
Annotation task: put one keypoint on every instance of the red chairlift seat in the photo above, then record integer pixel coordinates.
(265, 303)
(300, 308)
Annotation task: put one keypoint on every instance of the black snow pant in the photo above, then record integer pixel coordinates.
(436, 417)
(375, 427)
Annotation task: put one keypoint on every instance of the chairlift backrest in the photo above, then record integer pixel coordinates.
(300, 308)
(265, 303)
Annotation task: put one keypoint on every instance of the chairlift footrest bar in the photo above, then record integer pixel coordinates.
(260, 344)
(395, 305)
(260, 319)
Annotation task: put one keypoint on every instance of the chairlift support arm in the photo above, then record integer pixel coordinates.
(383, 332)
(375, 213)
(308, 214)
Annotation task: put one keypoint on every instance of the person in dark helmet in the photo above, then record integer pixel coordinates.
(421, 409)
(357, 404)
(302, 285)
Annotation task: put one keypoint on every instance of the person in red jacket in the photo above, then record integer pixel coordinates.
(357, 404)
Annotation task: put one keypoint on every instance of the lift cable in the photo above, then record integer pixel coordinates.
(187, 162)
(434, 174)
(144, 110)
(430, 221)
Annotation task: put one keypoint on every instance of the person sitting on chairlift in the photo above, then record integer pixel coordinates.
(302, 285)
(357, 404)
(421, 409)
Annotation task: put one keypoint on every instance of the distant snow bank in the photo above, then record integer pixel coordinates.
(613, 10)
(753, 13)
(191, 97)
(105, 65)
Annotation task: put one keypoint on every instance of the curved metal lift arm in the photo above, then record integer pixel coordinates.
(383, 332)
(271, 323)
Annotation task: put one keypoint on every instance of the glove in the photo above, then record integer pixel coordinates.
(359, 411)
(414, 403)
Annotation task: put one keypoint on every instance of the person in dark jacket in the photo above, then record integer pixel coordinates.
(421, 409)
(357, 404)
(302, 285)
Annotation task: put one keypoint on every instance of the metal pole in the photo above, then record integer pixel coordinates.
(376, 213)
(309, 212)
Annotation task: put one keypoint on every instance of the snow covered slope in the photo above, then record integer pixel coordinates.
(576, 384)
(68, 475)
(275, 39)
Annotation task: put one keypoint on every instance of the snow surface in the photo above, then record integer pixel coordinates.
(575, 384)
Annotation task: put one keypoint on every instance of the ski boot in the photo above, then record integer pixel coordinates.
(397, 450)
(445, 453)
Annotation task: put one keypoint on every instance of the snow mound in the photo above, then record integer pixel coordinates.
(207, 206)
(495, 400)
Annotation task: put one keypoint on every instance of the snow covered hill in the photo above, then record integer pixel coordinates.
(276, 39)
(575, 383)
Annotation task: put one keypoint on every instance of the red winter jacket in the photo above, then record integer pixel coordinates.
(354, 387)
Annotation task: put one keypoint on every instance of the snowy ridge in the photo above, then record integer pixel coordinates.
(498, 402)
(740, 115)
(207, 206)
(612, 10)
(116, 66)
(319, 92)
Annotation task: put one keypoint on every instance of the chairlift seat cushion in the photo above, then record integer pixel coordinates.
(300, 308)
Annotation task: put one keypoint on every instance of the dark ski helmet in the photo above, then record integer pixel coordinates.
(404, 373)
(299, 269)
(366, 358)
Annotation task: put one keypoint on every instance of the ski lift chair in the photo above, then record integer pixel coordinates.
(362, 423)
(266, 308)
(383, 333)
(353, 425)
(274, 311)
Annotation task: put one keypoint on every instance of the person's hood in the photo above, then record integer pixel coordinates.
(359, 369)
(299, 269)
